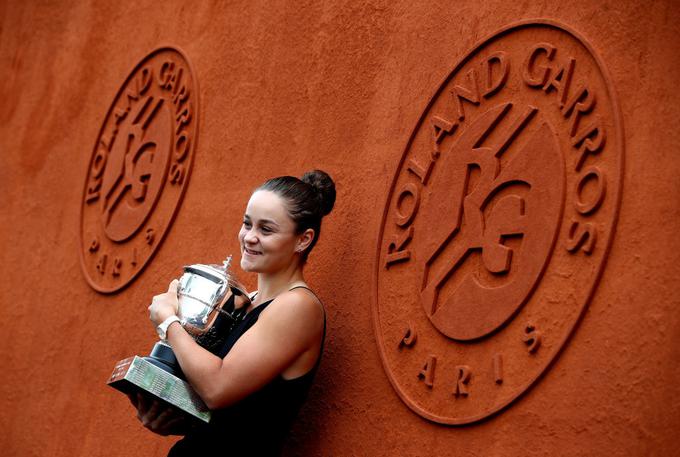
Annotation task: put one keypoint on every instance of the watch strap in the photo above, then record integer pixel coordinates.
(162, 328)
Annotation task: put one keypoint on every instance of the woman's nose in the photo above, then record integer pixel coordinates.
(250, 236)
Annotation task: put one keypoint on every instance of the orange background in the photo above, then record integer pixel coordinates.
(287, 87)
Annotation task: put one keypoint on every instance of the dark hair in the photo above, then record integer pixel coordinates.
(308, 200)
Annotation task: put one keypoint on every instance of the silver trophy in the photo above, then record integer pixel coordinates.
(211, 303)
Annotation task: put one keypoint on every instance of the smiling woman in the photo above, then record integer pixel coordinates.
(256, 384)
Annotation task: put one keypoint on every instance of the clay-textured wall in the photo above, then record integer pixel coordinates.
(283, 87)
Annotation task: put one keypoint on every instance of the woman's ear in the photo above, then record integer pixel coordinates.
(304, 240)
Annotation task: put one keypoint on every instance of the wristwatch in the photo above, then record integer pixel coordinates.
(162, 328)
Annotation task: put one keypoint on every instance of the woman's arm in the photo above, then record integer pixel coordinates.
(290, 327)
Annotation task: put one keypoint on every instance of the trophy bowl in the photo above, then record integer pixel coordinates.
(211, 302)
(208, 293)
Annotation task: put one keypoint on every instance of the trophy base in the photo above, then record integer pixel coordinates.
(163, 357)
(138, 374)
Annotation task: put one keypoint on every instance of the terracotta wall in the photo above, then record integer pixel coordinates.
(353, 88)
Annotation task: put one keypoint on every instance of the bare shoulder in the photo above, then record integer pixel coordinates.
(295, 307)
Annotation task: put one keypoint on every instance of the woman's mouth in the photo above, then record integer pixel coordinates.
(251, 251)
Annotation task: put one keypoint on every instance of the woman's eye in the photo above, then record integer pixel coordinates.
(266, 230)
(246, 224)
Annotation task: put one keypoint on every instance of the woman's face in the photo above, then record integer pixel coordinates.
(267, 236)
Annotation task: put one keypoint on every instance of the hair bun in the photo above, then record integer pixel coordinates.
(324, 186)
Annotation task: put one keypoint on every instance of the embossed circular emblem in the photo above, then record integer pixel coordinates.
(139, 169)
(498, 222)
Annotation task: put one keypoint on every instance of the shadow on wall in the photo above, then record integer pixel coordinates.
(315, 420)
(306, 436)
(318, 418)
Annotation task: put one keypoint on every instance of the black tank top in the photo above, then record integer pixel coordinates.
(258, 424)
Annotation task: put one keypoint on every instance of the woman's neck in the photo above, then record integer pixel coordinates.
(271, 285)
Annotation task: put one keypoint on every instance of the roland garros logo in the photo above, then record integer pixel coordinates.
(498, 222)
(139, 169)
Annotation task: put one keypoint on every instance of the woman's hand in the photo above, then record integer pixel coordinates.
(164, 305)
(159, 417)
